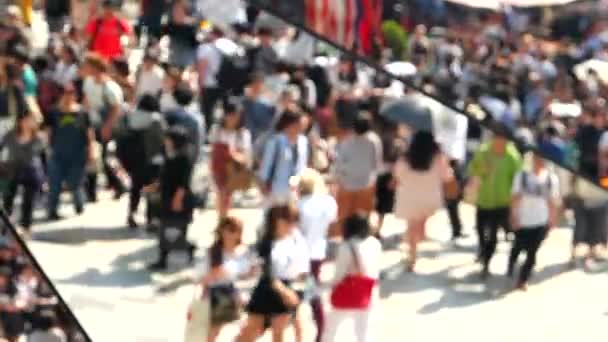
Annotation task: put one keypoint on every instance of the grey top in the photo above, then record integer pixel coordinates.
(358, 161)
(16, 154)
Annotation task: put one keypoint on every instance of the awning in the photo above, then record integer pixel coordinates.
(497, 4)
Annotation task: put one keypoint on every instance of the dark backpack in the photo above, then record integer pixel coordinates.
(233, 74)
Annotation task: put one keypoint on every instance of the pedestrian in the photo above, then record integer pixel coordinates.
(22, 148)
(103, 99)
(11, 315)
(285, 155)
(182, 29)
(140, 149)
(176, 205)
(284, 253)
(590, 217)
(452, 191)
(358, 254)
(209, 60)
(12, 97)
(358, 162)
(150, 76)
(534, 212)
(318, 210)
(231, 155)
(226, 263)
(105, 32)
(495, 164)
(71, 139)
(186, 117)
(419, 175)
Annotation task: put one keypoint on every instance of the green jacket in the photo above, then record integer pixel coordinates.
(496, 174)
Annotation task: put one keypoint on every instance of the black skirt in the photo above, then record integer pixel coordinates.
(385, 196)
(266, 301)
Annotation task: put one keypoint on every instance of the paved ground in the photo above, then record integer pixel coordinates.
(98, 266)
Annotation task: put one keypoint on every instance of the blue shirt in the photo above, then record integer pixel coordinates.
(193, 122)
(279, 154)
(258, 117)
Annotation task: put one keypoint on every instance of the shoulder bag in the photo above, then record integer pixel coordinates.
(355, 290)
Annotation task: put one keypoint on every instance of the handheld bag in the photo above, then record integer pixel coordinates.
(355, 290)
(198, 319)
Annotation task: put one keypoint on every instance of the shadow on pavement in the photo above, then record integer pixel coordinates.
(81, 235)
(122, 274)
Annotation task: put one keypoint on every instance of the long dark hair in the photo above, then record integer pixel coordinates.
(422, 150)
(216, 250)
(287, 212)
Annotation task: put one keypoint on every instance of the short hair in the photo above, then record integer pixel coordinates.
(233, 105)
(288, 118)
(148, 103)
(121, 66)
(357, 226)
(183, 94)
(97, 62)
(363, 123)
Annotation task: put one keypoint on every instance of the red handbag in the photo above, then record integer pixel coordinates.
(355, 290)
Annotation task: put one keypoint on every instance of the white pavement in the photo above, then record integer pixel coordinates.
(99, 268)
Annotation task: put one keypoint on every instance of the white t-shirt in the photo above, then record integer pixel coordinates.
(97, 93)
(235, 265)
(240, 140)
(317, 212)
(65, 73)
(533, 210)
(603, 144)
(211, 53)
(290, 256)
(150, 81)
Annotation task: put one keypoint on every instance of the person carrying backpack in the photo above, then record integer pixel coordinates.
(534, 212)
(105, 32)
(140, 149)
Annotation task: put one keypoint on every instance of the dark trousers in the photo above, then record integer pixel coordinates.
(316, 303)
(209, 99)
(27, 202)
(137, 185)
(454, 216)
(528, 240)
(488, 223)
(91, 186)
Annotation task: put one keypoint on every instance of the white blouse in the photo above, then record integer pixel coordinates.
(369, 252)
(290, 257)
(235, 264)
(317, 213)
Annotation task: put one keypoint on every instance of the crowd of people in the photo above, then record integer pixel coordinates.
(544, 86)
(29, 309)
(259, 104)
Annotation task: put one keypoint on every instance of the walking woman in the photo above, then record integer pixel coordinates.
(72, 138)
(318, 210)
(230, 149)
(420, 176)
(359, 253)
(21, 148)
(534, 210)
(227, 261)
(285, 261)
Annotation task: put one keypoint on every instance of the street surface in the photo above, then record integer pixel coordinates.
(99, 268)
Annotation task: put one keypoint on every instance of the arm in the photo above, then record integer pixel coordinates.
(270, 150)
(342, 263)
(516, 201)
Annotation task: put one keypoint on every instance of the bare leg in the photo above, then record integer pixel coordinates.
(279, 324)
(252, 329)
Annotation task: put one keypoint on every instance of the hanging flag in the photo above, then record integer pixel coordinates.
(334, 19)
